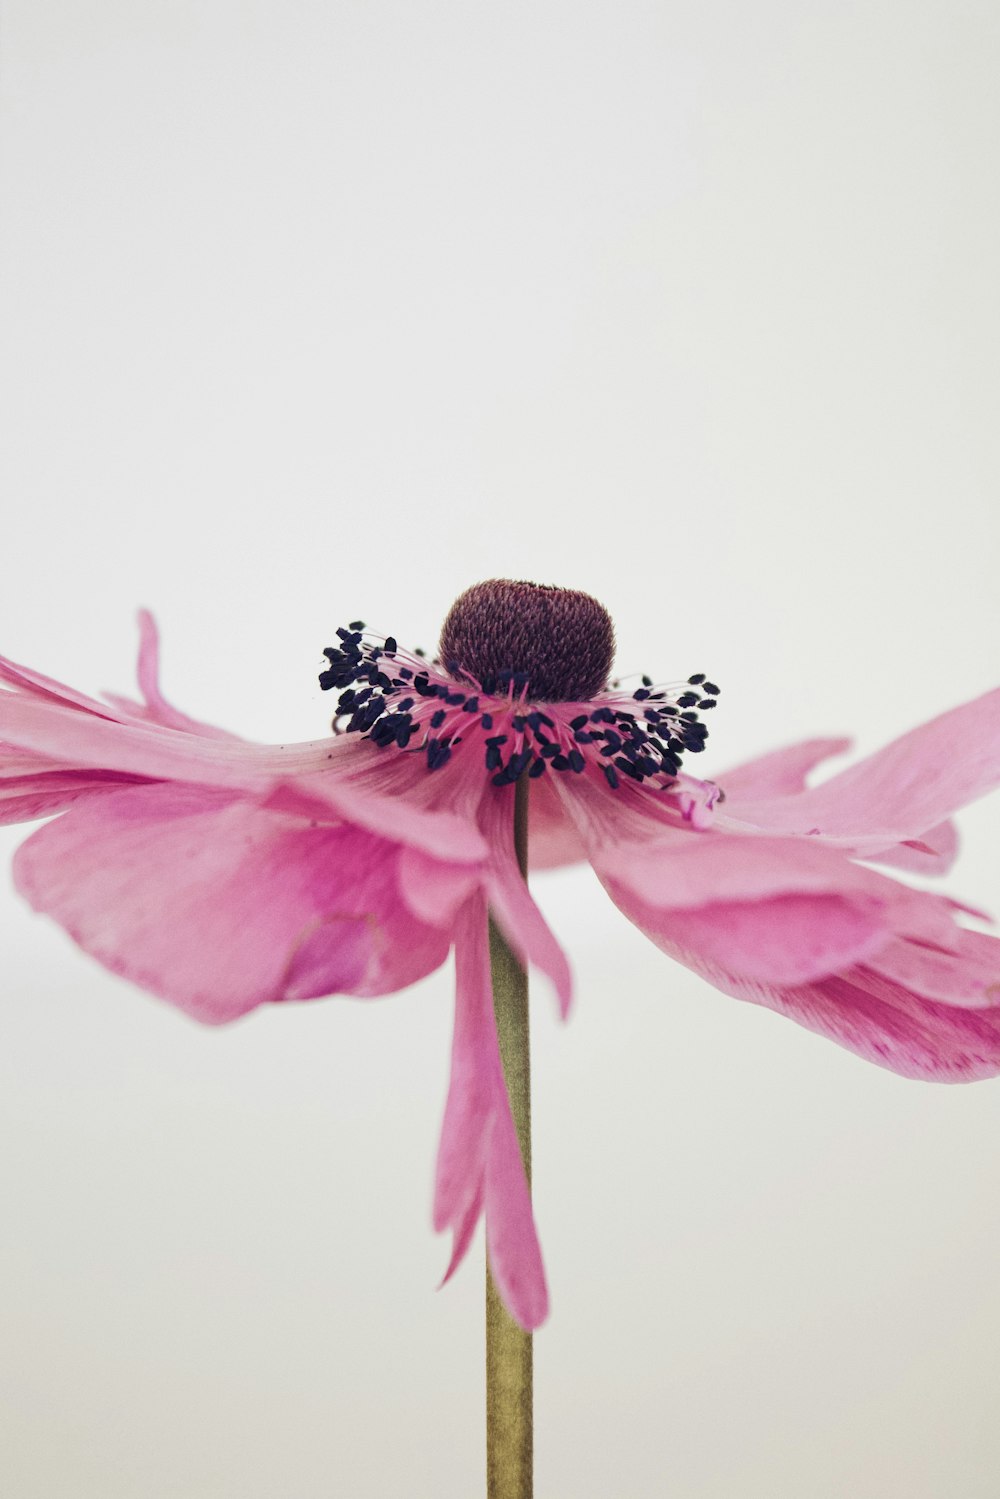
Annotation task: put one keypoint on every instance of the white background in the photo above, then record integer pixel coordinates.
(315, 311)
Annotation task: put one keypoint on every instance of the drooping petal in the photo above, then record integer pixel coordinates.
(471, 1091)
(892, 1025)
(512, 905)
(511, 1237)
(479, 1161)
(218, 904)
(465, 1227)
(886, 1022)
(772, 910)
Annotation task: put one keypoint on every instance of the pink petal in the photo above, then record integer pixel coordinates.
(434, 890)
(155, 708)
(889, 1024)
(47, 689)
(471, 1091)
(775, 910)
(781, 772)
(933, 852)
(39, 794)
(219, 905)
(511, 1238)
(882, 1020)
(479, 1160)
(442, 835)
(899, 792)
(522, 922)
(464, 1230)
(308, 772)
(968, 976)
(788, 939)
(553, 841)
(687, 869)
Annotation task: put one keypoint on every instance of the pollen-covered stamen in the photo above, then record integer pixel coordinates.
(406, 702)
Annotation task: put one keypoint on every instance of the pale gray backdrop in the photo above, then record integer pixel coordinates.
(318, 310)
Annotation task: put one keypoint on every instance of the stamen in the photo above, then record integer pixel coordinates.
(406, 703)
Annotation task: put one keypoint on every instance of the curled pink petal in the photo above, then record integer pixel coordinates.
(154, 707)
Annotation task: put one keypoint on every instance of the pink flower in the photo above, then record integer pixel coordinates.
(222, 875)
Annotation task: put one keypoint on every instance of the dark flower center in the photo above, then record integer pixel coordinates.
(559, 640)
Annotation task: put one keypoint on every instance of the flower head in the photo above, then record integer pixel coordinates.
(222, 875)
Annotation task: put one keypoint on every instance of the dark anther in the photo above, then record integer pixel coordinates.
(437, 755)
(697, 679)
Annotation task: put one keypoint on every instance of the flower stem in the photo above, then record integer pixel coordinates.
(509, 1368)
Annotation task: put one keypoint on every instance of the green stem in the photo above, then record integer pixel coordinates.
(509, 1368)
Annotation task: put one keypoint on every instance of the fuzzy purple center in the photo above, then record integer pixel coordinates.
(562, 641)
